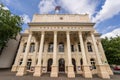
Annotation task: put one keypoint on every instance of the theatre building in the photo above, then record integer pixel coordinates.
(61, 44)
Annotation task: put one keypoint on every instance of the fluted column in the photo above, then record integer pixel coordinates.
(45, 57)
(102, 72)
(35, 55)
(16, 63)
(86, 70)
(96, 49)
(22, 68)
(54, 72)
(38, 68)
(70, 66)
(82, 49)
(105, 59)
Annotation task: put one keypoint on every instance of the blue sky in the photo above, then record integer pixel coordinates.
(105, 13)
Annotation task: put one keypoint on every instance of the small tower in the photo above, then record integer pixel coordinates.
(57, 9)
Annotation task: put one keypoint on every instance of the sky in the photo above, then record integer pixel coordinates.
(105, 13)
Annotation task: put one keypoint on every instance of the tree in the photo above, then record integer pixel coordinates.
(112, 49)
(10, 26)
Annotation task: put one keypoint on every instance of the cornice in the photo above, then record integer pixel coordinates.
(61, 23)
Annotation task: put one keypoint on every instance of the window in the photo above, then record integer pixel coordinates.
(29, 62)
(24, 47)
(72, 48)
(61, 47)
(50, 47)
(79, 47)
(32, 47)
(20, 61)
(92, 61)
(89, 46)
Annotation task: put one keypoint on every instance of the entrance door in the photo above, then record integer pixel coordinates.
(74, 64)
(29, 62)
(81, 63)
(49, 65)
(61, 65)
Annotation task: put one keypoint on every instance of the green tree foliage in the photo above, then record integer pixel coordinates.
(10, 26)
(112, 49)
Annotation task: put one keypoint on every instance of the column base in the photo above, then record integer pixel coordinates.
(37, 71)
(44, 69)
(70, 73)
(14, 68)
(86, 71)
(109, 69)
(21, 71)
(54, 72)
(102, 72)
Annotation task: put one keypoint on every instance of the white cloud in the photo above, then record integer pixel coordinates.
(109, 9)
(26, 18)
(114, 33)
(5, 7)
(72, 6)
(79, 6)
(46, 6)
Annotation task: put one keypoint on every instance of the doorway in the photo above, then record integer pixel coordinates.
(49, 65)
(61, 65)
(74, 64)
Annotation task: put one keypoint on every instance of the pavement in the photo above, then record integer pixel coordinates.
(8, 75)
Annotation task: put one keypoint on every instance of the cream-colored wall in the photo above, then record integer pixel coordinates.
(56, 18)
(47, 55)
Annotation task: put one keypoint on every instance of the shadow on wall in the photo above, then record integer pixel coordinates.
(8, 54)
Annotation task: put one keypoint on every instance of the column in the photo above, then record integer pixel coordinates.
(86, 69)
(100, 67)
(38, 67)
(105, 59)
(22, 68)
(77, 58)
(70, 66)
(35, 55)
(54, 72)
(45, 57)
(16, 63)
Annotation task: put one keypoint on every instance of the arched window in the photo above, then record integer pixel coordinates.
(24, 47)
(79, 47)
(92, 61)
(61, 47)
(20, 61)
(89, 46)
(32, 47)
(29, 62)
(50, 47)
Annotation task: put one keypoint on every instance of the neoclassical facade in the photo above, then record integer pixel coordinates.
(66, 44)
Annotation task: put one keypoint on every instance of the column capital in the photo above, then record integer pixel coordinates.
(79, 32)
(42, 32)
(30, 32)
(92, 32)
(67, 32)
(55, 31)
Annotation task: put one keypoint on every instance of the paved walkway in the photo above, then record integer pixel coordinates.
(8, 75)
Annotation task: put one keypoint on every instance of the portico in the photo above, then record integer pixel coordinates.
(61, 46)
